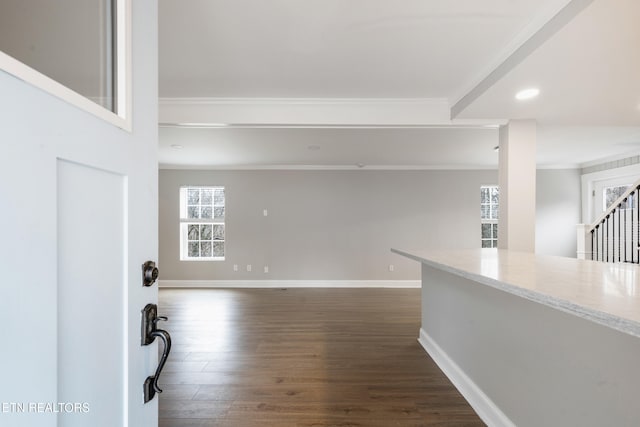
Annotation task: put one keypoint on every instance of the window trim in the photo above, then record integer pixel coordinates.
(123, 94)
(184, 242)
(184, 223)
(489, 221)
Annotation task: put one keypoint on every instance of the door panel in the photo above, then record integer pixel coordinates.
(73, 236)
(91, 292)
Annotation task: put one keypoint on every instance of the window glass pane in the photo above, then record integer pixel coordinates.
(70, 41)
(494, 212)
(193, 212)
(494, 195)
(218, 232)
(205, 249)
(219, 196)
(486, 243)
(484, 195)
(193, 232)
(218, 249)
(494, 243)
(486, 231)
(194, 249)
(205, 232)
(207, 196)
(495, 231)
(193, 196)
(218, 212)
(485, 212)
(207, 212)
(611, 194)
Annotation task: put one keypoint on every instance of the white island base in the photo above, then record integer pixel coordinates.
(534, 341)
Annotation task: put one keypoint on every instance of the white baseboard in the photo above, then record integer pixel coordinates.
(289, 283)
(480, 402)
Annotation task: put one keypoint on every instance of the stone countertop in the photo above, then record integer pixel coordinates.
(605, 293)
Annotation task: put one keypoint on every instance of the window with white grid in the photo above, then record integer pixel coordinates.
(489, 197)
(202, 223)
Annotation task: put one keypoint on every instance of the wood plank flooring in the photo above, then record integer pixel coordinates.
(302, 358)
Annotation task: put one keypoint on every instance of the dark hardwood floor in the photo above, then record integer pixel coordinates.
(303, 358)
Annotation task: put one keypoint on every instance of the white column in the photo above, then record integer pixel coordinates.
(517, 180)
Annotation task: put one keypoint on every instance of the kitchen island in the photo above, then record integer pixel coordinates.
(534, 340)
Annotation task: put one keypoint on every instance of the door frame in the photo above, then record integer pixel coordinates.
(593, 182)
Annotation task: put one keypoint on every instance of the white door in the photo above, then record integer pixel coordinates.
(607, 190)
(78, 218)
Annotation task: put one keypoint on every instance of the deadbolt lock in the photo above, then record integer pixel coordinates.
(149, 273)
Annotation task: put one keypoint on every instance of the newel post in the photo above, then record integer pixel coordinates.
(585, 251)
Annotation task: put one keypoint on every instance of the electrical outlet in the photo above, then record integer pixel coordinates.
(248, 267)
(235, 267)
(391, 267)
(266, 268)
(265, 212)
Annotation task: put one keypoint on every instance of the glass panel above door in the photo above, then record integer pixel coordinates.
(70, 41)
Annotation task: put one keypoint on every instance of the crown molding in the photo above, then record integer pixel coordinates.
(327, 167)
(301, 101)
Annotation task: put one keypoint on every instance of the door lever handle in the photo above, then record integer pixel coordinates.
(159, 318)
(150, 331)
(166, 338)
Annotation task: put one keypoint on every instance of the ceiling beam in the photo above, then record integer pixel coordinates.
(303, 112)
(544, 33)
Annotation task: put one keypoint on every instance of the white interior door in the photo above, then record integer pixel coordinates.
(600, 189)
(78, 218)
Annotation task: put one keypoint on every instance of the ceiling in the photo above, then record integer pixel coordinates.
(402, 84)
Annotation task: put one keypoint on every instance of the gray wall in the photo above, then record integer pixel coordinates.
(340, 225)
(558, 207)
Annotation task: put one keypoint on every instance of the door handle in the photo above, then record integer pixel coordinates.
(150, 332)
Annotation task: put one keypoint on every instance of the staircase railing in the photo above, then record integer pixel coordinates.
(615, 235)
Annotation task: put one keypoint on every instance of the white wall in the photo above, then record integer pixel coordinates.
(340, 225)
(539, 366)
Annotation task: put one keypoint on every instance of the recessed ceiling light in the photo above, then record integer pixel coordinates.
(177, 146)
(527, 94)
